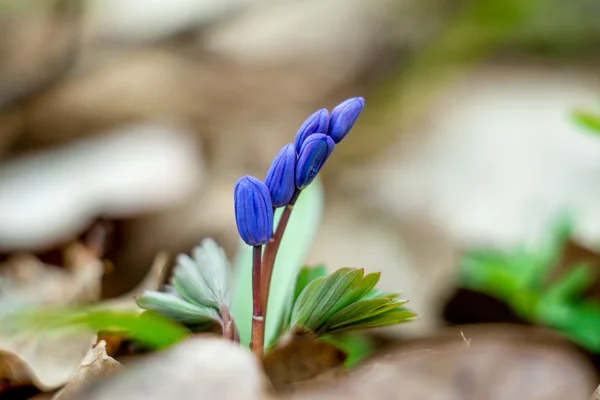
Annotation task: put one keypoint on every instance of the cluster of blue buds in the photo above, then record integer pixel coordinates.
(294, 168)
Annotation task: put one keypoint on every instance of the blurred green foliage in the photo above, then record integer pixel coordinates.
(149, 329)
(587, 120)
(532, 284)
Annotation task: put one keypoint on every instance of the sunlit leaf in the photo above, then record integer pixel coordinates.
(150, 329)
(384, 319)
(571, 285)
(344, 300)
(587, 120)
(356, 311)
(305, 276)
(330, 292)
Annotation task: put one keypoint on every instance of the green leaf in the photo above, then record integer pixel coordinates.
(351, 296)
(384, 319)
(150, 329)
(297, 239)
(356, 311)
(189, 283)
(342, 300)
(587, 120)
(520, 279)
(572, 284)
(177, 309)
(330, 296)
(202, 280)
(305, 276)
(214, 267)
(312, 296)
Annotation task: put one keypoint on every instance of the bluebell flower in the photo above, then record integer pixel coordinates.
(316, 123)
(343, 117)
(315, 150)
(280, 177)
(253, 210)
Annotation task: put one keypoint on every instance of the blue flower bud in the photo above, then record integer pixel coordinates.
(343, 117)
(315, 150)
(316, 123)
(253, 210)
(280, 177)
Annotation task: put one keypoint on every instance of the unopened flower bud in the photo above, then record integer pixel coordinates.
(280, 177)
(343, 117)
(315, 150)
(316, 123)
(253, 210)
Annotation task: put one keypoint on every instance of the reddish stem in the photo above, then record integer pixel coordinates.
(258, 321)
(271, 249)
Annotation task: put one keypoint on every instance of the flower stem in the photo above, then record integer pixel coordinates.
(258, 321)
(271, 251)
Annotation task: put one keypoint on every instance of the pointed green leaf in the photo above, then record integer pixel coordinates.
(385, 319)
(376, 293)
(305, 297)
(357, 310)
(330, 288)
(331, 303)
(214, 267)
(298, 237)
(572, 284)
(587, 120)
(358, 318)
(352, 294)
(175, 308)
(305, 276)
(367, 284)
(187, 278)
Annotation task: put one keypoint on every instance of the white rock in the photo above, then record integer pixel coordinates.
(497, 158)
(198, 368)
(146, 20)
(52, 196)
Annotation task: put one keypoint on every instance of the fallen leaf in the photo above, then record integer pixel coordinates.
(46, 359)
(202, 367)
(499, 361)
(596, 394)
(95, 365)
(299, 359)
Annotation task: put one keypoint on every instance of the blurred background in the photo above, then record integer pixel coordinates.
(124, 125)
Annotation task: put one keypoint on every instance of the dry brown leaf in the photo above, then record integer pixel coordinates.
(202, 367)
(498, 361)
(596, 394)
(95, 365)
(299, 359)
(46, 359)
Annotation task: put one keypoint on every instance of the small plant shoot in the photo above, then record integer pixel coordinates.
(318, 304)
